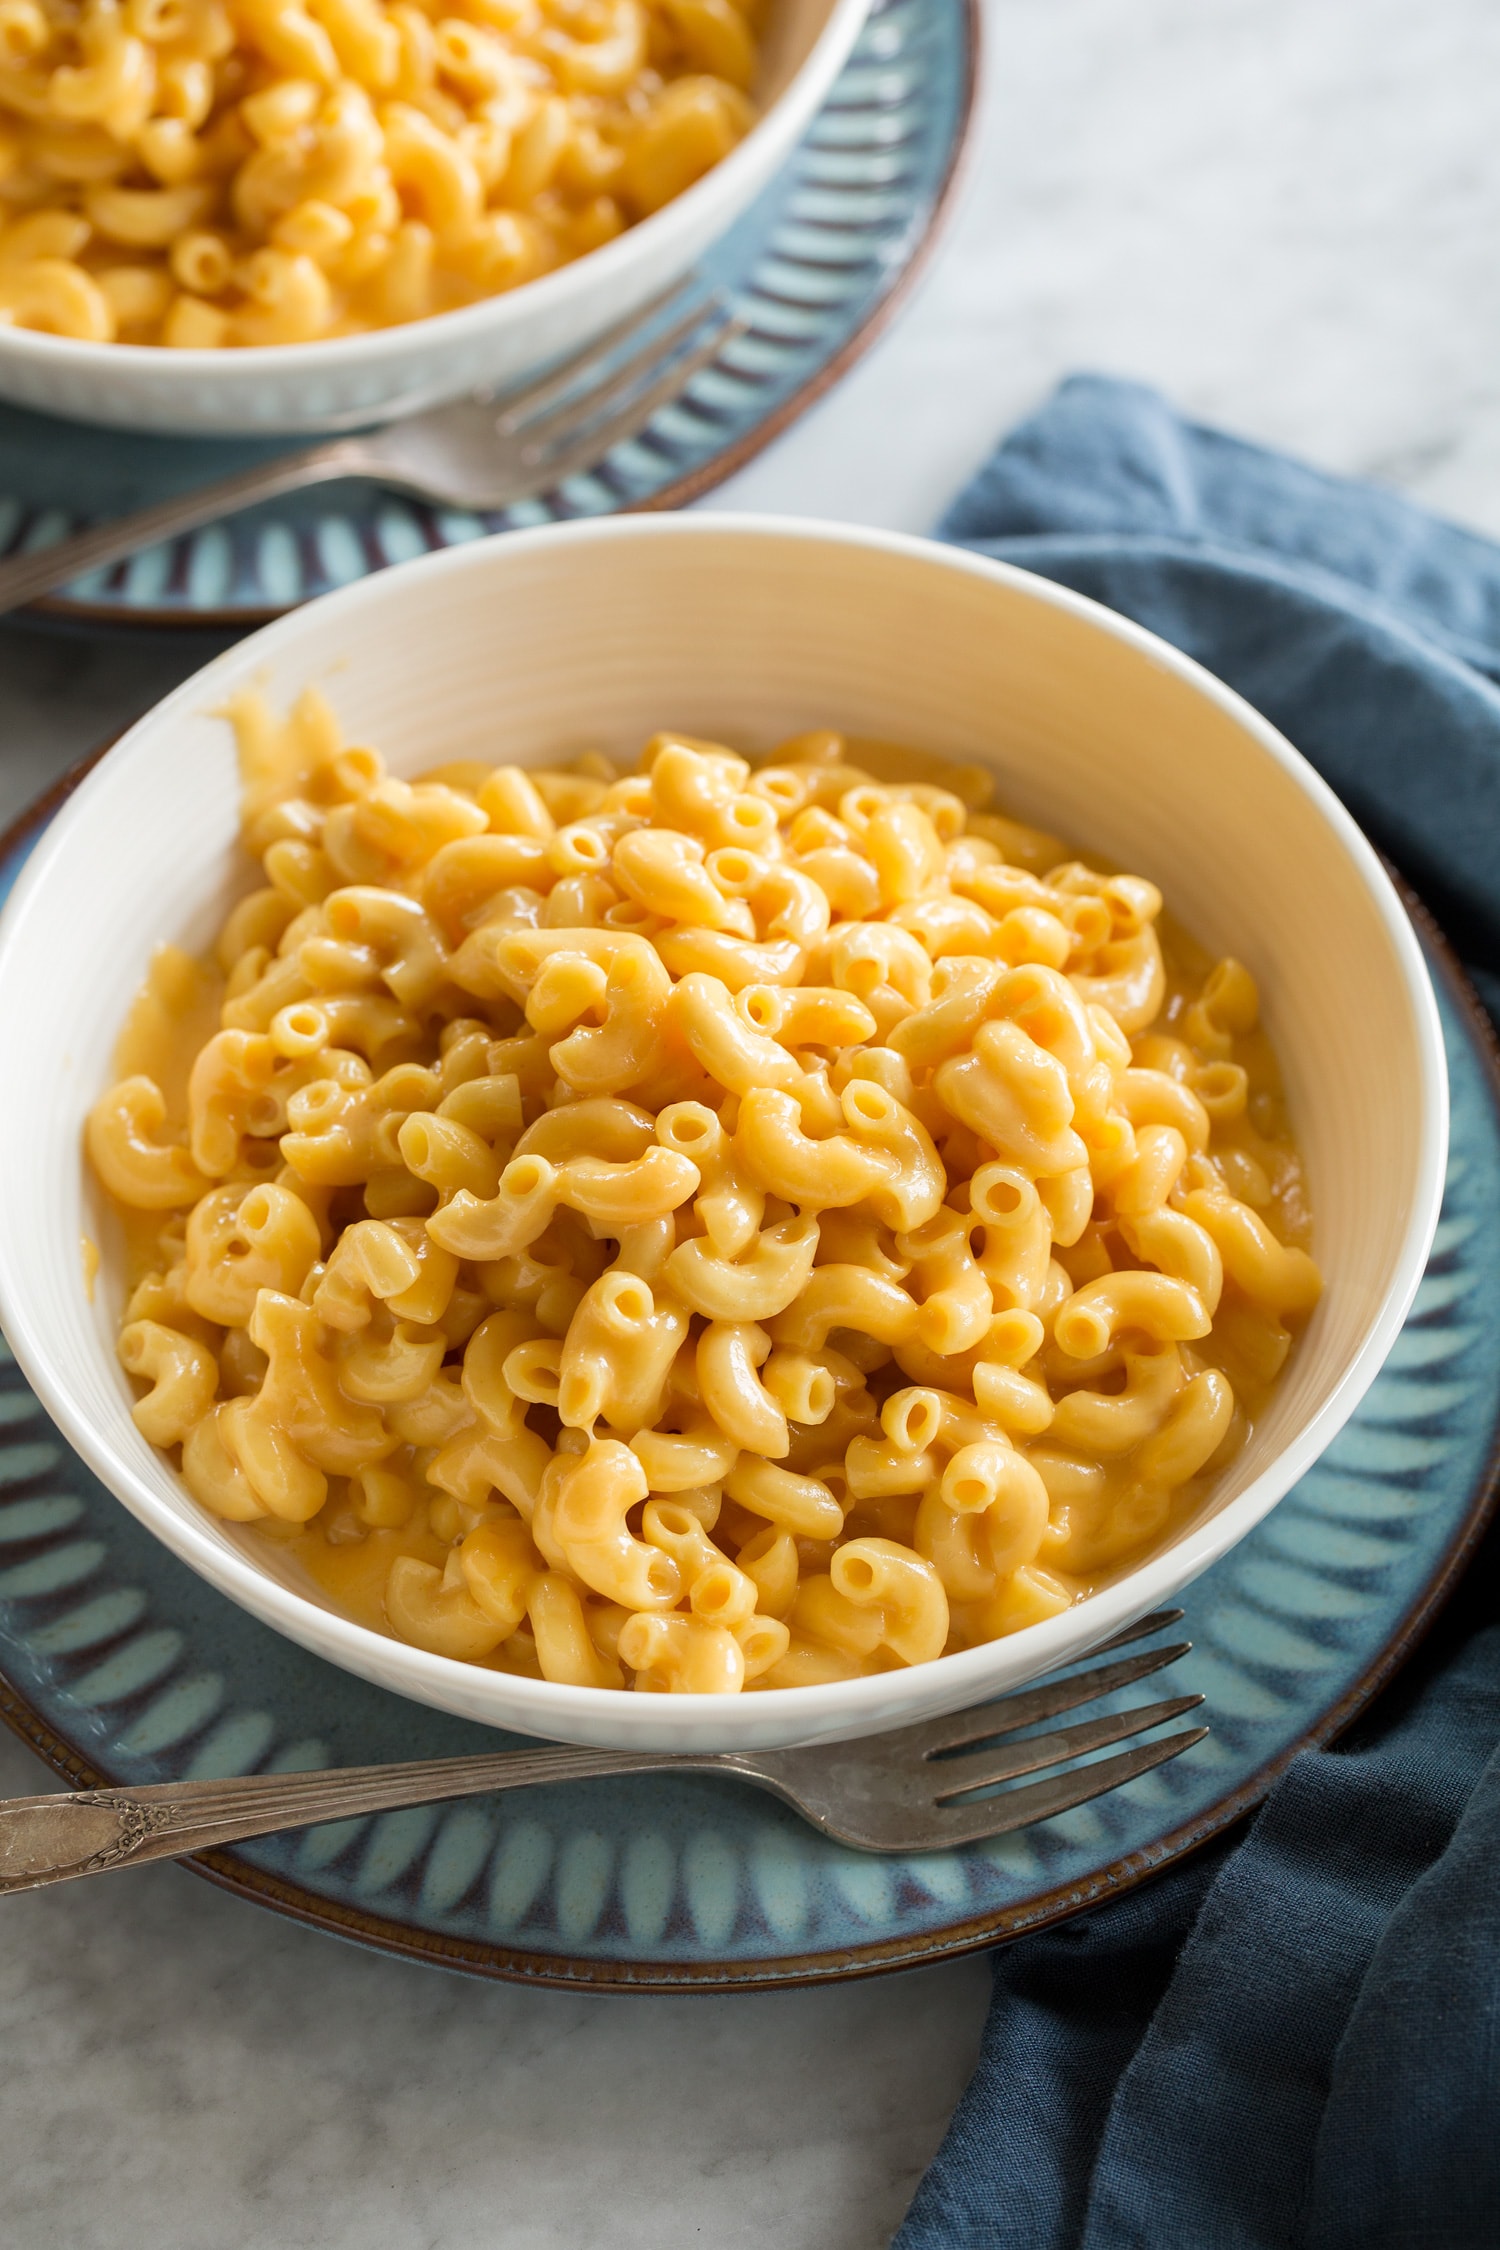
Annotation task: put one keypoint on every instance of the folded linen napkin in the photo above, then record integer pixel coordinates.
(1291, 2041)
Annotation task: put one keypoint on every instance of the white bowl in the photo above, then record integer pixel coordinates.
(596, 635)
(349, 381)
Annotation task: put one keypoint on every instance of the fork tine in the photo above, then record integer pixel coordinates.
(1041, 1800)
(541, 396)
(983, 1768)
(590, 445)
(1046, 1701)
(1158, 1622)
(559, 380)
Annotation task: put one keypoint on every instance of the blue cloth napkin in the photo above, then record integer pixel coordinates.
(1291, 2041)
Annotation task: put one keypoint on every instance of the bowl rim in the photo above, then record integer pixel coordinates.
(541, 1706)
(549, 292)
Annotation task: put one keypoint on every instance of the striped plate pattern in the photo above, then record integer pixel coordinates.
(123, 1664)
(812, 267)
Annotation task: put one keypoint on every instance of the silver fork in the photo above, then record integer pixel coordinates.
(910, 1791)
(481, 452)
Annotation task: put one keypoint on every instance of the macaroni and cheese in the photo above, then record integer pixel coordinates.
(209, 173)
(696, 1229)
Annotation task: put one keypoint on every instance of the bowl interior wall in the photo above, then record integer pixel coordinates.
(788, 36)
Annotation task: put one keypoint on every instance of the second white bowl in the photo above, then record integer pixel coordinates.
(346, 382)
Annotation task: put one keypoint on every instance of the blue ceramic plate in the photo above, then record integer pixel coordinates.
(119, 1665)
(815, 267)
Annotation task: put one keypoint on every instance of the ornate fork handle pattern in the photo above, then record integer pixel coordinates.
(52, 1839)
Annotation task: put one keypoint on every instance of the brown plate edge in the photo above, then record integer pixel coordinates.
(35, 816)
(685, 489)
(473, 1957)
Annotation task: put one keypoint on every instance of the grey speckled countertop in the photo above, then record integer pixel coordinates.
(1286, 212)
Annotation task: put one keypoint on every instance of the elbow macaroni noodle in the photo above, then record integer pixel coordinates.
(211, 173)
(696, 1229)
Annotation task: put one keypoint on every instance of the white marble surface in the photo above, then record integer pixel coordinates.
(1284, 211)
(184, 2071)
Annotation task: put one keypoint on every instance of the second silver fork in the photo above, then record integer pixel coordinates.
(481, 453)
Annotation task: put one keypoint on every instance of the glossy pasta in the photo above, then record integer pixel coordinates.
(696, 1229)
(210, 173)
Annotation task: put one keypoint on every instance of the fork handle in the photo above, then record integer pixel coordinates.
(24, 576)
(55, 1838)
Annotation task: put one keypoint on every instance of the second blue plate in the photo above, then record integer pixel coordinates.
(814, 267)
